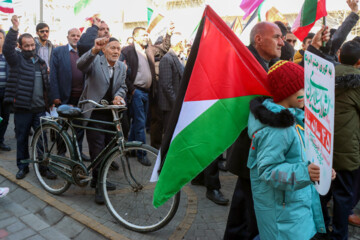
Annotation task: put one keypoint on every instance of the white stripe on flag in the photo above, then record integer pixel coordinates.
(155, 174)
(189, 112)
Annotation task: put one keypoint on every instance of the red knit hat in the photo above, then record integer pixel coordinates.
(285, 78)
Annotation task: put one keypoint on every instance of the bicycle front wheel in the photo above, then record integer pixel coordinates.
(131, 202)
(44, 147)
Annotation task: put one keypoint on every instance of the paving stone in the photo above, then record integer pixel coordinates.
(50, 215)
(16, 227)
(20, 195)
(6, 222)
(4, 214)
(88, 235)
(34, 222)
(38, 237)
(69, 227)
(23, 234)
(53, 234)
(18, 210)
(34, 204)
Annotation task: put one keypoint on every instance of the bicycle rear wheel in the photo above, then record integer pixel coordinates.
(131, 204)
(42, 149)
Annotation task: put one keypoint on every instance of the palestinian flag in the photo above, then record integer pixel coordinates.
(311, 11)
(212, 107)
(6, 6)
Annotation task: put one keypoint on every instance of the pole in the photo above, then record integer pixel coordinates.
(41, 11)
(324, 23)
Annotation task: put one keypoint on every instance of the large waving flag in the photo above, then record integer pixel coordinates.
(6, 6)
(311, 11)
(212, 107)
(80, 5)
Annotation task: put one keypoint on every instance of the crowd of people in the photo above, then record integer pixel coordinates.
(274, 197)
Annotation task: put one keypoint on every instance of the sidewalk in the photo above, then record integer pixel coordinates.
(29, 212)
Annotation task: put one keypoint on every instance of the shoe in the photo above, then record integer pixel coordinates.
(3, 191)
(114, 166)
(109, 186)
(48, 174)
(5, 147)
(222, 165)
(197, 182)
(354, 220)
(144, 161)
(85, 158)
(99, 198)
(22, 173)
(217, 197)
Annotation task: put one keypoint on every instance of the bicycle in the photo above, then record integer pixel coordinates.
(131, 203)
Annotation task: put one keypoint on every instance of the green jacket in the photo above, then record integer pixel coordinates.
(347, 122)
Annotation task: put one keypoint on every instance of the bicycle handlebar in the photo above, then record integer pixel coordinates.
(104, 105)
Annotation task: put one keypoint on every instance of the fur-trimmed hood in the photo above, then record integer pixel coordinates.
(264, 112)
(347, 76)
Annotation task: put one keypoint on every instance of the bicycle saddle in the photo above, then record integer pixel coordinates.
(68, 111)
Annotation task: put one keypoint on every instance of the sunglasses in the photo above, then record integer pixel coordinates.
(44, 31)
(293, 41)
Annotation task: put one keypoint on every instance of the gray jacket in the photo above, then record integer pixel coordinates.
(97, 79)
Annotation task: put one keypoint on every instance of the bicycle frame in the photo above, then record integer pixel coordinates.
(117, 143)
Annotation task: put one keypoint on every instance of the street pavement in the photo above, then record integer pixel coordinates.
(29, 212)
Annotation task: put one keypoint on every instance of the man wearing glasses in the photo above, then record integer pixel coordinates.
(43, 46)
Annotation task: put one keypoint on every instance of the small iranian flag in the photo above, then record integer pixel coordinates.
(6, 6)
(212, 107)
(311, 11)
(80, 5)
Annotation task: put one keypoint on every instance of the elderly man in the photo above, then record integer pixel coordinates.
(105, 79)
(265, 45)
(27, 89)
(66, 80)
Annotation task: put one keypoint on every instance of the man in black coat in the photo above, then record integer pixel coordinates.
(140, 59)
(27, 89)
(265, 44)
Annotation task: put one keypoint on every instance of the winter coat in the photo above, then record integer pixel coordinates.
(286, 203)
(20, 84)
(347, 118)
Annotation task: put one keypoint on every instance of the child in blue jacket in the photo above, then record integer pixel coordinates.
(287, 205)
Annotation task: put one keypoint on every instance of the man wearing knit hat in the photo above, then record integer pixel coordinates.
(286, 203)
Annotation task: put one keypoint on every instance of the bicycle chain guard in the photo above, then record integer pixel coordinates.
(79, 174)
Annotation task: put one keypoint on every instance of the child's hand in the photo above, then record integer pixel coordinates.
(333, 174)
(314, 172)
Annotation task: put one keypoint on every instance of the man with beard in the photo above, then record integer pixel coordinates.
(44, 47)
(140, 58)
(27, 89)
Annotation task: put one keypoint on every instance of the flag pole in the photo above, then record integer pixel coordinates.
(324, 23)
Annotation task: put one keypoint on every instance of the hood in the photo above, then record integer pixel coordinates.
(347, 76)
(264, 112)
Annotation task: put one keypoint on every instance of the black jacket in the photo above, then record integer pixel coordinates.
(20, 85)
(86, 41)
(129, 54)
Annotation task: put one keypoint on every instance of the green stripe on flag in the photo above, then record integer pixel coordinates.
(149, 14)
(7, 1)
(80, 5)
(199, 143)
(308, 15)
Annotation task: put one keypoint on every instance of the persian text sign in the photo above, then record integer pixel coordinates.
(319, 116)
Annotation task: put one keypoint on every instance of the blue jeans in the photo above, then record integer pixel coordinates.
(23, 122)
(138, 111)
